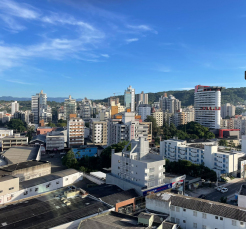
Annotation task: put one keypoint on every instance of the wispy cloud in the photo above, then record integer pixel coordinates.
(131, 40)
(11, 24)
(18, 82)
(105, 55)
(162, 68)
(139, 28)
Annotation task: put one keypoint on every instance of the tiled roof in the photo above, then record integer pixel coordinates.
(201, 205)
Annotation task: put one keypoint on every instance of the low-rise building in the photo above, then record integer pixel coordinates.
(16, 140)
(55, 140)
(4, 132)
(44, 130)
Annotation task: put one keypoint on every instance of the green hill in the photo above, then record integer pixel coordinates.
(229, 95)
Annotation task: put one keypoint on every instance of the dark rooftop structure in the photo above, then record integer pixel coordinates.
(4, 170)
(47, 178)
(243, 190)
(103, 190)
(40, 138)
(17, 154)
(201, 205)
(40, 213)
(119, 197)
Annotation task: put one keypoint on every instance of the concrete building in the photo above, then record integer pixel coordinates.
(227, 110)
(86, 109)
(182, 117)
(4, 132)
(55, 140)
(18, 154)
(14, 107)
(144, 110)
(129, 98)
(158, 115)
(217, 158)
(75, 132)
(44, 130)
(30, 188)
(207, 104)
(26, 170)
(16, 140)
(98, 132)
(113, 99)
(169, 104)
(70, 107)
(142, 98)
(190, 212)
(40, 108)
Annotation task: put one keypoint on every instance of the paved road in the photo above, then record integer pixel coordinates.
(232, 189)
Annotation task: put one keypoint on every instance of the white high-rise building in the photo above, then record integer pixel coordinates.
(227, 110)
(144, 110)
(69, 107)
(85, 110)
(169, 104)
(207, 106)
(75, 132)
(14, 107)
(40, 108)
(98, 132)
(142, 98)
(129, 98)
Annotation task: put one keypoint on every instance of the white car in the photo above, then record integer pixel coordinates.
(219, 188)
(223, 190)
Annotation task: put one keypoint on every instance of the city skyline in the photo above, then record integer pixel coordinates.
(81, 46)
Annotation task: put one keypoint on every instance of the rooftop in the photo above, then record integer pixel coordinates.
(22, 165)
(201, 205)
(14, 137)
(39, 137)
(48, 212)
(5, 178)
(19, 154)
(46, 178)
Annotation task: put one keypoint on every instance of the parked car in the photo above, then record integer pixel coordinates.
(223, 190)
(219, 188)
(202, 196)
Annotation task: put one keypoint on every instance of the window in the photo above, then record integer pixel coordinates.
(221, 218)
(36, 189)
(242, 223)
(204, 227)
(151, 177)
(30, 189)
(177, 209)
(234, 222)
(172, 219)
(57, 182)
(11, 188)
(1, 191)
(151, 170)
(216, 217)
(184, 209)
(66, 179)
(194, 225)
(184, 221)
(194, 213)
(172, 208)
(126, 163)
(26, 192)
(177, 221)
(204, 215)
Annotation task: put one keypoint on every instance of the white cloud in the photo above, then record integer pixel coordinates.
(105, 55)
(131, 40)
(164, 69)
(141, 28)
(18, 9)
(18, 82)
(12, 24)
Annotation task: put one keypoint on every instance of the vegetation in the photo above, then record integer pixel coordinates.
(155, 128)
(222, 142)
(62, 123)
(17, 124)
(188, 168)
(223, 199)
(30, 132)
(89, 164)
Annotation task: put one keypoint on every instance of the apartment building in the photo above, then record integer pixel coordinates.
(75, 132)
(142, 98)
(98, 132)
(129, 98)
(70, 107)
(158, 115)
(14, 107)
(182, 117)
(55, 140)
(16, 140)
(207, 104)
(190, 212)
(144, 110)
(208, 153)
(86, 109)
(169, 104)
(227, 110)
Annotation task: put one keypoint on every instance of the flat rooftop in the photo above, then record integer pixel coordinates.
(19, 154)
(5, 178)
(22, 165)
(47, 212)
(46, 178)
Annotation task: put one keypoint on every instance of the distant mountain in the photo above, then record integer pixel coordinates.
(229, 95)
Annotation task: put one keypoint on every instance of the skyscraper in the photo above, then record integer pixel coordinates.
(169, 103)
(129, 98)
(227, 110)
(141, 99)
(39, 107)
(207, 106)
(14, 107)
(69, 107)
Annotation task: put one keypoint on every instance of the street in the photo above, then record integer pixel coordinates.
(232, 189)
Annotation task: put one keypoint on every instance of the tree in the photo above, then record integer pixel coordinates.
(222, 142)
(223, 199)
(29, 133)
(69, 160)
(51, 124)
(155, 128)
(17, 124)
(62, 123)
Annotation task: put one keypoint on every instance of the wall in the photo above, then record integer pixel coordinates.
(125, 203)
(94, 179)
(7, 183)
(41, 188)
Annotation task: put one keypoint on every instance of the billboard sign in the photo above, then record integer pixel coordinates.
(157, 189)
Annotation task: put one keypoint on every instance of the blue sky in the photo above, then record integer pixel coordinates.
(96, 48)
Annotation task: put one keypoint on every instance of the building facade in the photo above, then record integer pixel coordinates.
(169, 104)
(144, 110)
(227, 110)
(129, 98)
(55, 140)
(75, 132)
(207, 104)
(14, 107)
(98, 132)
(86, 109)
(70, 107)
(142, 98)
